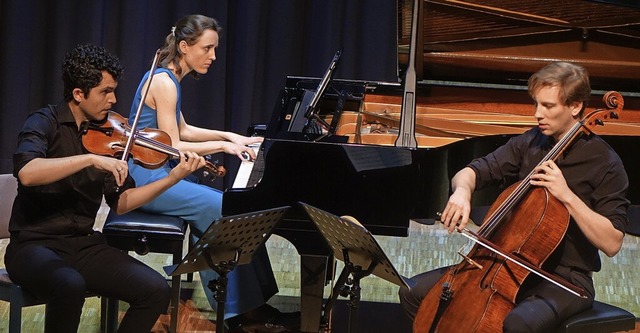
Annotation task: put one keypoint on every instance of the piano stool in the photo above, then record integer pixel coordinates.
(601, 318)
(143, 233)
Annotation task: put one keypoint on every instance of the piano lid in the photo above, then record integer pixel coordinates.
(505, 41)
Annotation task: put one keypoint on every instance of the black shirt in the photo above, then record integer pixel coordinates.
(68, 206)
(592, 170)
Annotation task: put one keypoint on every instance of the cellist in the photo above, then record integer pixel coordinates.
(589, 179)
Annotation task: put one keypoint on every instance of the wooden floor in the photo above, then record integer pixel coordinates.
(427, 247)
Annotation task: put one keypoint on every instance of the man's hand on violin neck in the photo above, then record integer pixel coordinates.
(189, 162)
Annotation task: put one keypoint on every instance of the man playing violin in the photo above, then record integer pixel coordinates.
(54, 253)
(589, 180)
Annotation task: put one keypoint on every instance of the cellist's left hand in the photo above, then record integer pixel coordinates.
(549, 175)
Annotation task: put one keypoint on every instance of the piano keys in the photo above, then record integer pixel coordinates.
(246, 175)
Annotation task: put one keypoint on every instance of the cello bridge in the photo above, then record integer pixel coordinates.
(469, 260)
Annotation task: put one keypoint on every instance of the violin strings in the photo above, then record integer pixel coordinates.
(169, 150)
(159, 146)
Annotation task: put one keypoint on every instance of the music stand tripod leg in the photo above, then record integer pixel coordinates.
(236, 236)
(337, 290)
(350, 287)
(219, 286)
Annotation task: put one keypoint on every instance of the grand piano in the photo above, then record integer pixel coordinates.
(472, 60)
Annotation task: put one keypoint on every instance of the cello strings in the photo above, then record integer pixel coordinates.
(522, 189)
(614, 102)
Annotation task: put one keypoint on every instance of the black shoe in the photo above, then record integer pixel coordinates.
(258, 328)
(289, 320)
(265, 319)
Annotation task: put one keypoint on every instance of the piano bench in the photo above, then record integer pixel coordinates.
(601, 318)
(143, 233)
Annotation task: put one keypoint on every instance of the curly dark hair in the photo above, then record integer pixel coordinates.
(83, 66)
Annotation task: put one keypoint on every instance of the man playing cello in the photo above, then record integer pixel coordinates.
(588, 179)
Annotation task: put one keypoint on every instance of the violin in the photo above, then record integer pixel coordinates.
(151, 149)
(522, 228)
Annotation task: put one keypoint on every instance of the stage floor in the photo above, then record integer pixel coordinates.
(426, 248)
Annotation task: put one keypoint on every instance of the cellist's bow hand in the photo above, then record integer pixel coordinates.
(465, 248)
(455, 215)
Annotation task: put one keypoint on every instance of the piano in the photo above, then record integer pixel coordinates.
(472, 61)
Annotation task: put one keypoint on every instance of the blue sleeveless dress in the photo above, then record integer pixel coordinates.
(249, 285)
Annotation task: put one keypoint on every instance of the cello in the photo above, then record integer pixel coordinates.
(484, 285)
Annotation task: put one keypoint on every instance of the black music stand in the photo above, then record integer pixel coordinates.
(355, 245)
(228, 242)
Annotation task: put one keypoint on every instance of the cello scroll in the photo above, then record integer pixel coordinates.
(614, 103)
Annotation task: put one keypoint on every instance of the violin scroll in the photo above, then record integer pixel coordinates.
(212, 170)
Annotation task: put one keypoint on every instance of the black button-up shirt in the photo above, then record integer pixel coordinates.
(592, 170)
(70, 205)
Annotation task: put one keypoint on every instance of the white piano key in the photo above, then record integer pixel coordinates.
(244, 172)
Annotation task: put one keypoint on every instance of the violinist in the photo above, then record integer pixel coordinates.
(588, 179)
(189, 50)
(54, 252)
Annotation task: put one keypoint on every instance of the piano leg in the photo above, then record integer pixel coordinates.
(313, 277)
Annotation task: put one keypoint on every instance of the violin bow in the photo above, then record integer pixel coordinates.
(131, 139)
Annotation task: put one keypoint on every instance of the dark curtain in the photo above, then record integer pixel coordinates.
(262, 42)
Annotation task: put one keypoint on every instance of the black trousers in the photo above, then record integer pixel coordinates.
(60, 270)
(541, 307)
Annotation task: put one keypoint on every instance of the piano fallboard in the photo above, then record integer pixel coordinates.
(374, 184)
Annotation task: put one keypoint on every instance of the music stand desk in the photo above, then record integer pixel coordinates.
(228, 242)
(352, 243)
